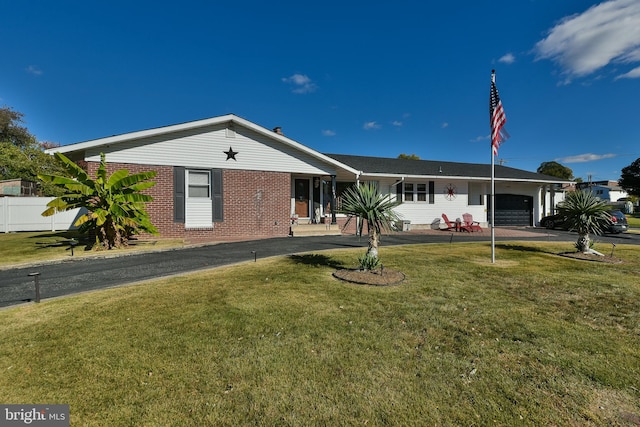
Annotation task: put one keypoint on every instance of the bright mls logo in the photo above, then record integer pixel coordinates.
(34, 415)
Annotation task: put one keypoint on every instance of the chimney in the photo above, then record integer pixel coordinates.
(278, 130)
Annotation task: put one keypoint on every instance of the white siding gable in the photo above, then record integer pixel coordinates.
(205, 148)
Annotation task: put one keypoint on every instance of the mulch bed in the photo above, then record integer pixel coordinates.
(378, 277)
(591, 257)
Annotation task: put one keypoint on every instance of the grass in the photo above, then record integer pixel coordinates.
(633, 220)
(535, 339)
(28, 247)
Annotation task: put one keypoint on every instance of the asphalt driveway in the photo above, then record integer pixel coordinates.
(75, 275)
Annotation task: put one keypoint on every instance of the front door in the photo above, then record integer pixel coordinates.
(302, 197)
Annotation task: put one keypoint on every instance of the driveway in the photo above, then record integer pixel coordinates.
(75, 275)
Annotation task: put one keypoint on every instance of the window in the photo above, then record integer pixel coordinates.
(199, 184)
(408, 192)
(421, 192)
(417, 192)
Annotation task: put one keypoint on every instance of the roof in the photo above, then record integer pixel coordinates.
(358, 165)
(373, 166)
(610, 185)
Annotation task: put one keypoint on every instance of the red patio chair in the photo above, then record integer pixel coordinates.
(454, 225)
(470, 223)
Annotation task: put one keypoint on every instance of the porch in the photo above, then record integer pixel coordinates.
(303, 228)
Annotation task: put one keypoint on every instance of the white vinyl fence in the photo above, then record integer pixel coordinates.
(25, 214)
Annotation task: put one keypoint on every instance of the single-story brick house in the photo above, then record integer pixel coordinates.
(226, 178)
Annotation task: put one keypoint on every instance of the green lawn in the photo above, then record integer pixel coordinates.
(633, 220)
(535, 339)
(28, 247)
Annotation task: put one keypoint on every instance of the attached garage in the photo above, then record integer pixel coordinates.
(514, 210)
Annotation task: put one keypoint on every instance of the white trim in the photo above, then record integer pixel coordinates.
(198, 210)
(468, 178)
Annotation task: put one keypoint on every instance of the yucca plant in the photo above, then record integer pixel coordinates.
(586, 214)
(365, 202)
(115, 205)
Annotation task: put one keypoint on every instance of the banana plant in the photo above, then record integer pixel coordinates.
(115, 205)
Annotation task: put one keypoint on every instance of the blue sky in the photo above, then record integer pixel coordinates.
(352, 77)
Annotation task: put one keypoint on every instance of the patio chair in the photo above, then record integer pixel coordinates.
(470, 223)
(458, 226)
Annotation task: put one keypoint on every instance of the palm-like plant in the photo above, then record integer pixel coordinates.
(115, 205)
(365, 202)
(586, 214)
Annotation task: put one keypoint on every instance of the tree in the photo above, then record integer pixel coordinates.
(630, 178)
(115, 205)
(12, 132)
(555, 169)
(21, 155)
(584, 213)
(409, 156)
(365, 202)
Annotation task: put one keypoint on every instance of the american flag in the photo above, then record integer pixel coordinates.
(497, 116)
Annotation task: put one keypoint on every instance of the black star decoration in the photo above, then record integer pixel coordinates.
(231, 154)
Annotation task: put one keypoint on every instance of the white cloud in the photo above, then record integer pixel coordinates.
(397, 123)
(584, 43)
(371, 126)
(34, 70)
(633, 74)
(301, 83)
(584, 158)
(507, 59)
(481, 138)
(328, 132)
(445, 125)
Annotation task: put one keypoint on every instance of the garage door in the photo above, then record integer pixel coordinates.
(514, 210)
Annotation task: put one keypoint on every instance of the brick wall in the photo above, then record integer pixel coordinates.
(256, 204)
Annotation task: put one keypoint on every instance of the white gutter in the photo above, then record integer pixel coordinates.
(462, 178)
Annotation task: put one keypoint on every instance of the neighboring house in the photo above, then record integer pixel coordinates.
(18, 187)
(608, 191)
(226, 178)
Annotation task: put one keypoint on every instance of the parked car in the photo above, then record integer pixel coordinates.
(618, 222)
(553, 221)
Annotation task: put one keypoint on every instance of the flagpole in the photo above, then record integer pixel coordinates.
(493, 192)
(493, 208)
(498, 135)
